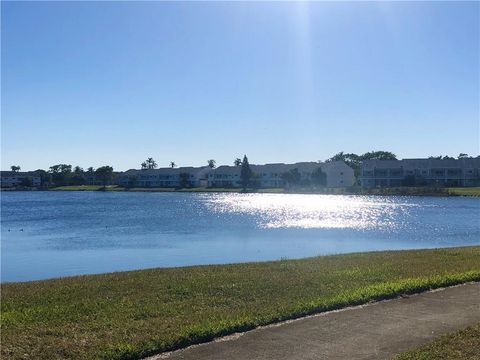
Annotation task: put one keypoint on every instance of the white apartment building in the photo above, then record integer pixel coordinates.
(16, 178)
(164, 177)
(420, 172)
(338, 174)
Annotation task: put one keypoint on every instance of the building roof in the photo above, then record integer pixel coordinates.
(280, 167)
(167, 171)
(18, 173)
(202, 172)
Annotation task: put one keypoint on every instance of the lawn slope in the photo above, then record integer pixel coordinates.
(129, 315)
(460, 345)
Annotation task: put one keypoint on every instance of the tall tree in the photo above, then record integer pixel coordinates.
(378, 155)
(211, 163)
(61, 174)
(78, 177)
(15, 168)
(172, 164)
(90, 176)
(45, 178)
(105, 173)
(237, 162)
(245, 173)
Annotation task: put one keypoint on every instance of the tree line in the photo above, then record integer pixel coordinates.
(64, 174)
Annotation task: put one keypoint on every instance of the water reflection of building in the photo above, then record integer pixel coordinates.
(420, 172)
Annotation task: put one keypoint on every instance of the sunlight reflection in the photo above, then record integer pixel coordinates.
(313, 211)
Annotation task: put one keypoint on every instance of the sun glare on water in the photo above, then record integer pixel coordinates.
(312, 211)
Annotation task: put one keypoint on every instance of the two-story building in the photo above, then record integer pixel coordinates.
(338, 174)
(17, 178)
(164, 177)
(420, 172)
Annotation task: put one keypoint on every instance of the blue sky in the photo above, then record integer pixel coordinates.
(94, 83)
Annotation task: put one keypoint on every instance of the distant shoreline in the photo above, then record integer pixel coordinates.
(396, 191)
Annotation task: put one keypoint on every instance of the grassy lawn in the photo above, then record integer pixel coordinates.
(472, 191)
(129, 315)
(461, 345)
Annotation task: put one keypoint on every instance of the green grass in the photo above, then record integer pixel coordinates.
(129, 315)
(406, 191)
(461, 345)
(422, 191)
(472, 191)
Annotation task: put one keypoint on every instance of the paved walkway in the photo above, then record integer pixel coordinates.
(374, 331)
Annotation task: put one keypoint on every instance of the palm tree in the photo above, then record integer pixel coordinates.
(211, 163)
(152, 164)
(149, 164)
(237, 162)
(172, 164)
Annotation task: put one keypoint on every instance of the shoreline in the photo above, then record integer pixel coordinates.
(397, 191)
(193, 266)
(134, 314)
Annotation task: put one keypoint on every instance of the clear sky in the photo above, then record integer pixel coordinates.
(95, 83)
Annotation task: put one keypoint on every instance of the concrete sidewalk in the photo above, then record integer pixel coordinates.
(374, 331)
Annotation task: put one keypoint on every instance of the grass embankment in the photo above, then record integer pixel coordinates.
(472, 191)
(130, 315)
(461, 345)
(420, 191)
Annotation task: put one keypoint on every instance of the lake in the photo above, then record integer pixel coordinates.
(55, 234)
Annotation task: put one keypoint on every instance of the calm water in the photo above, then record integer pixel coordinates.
(54, 234)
